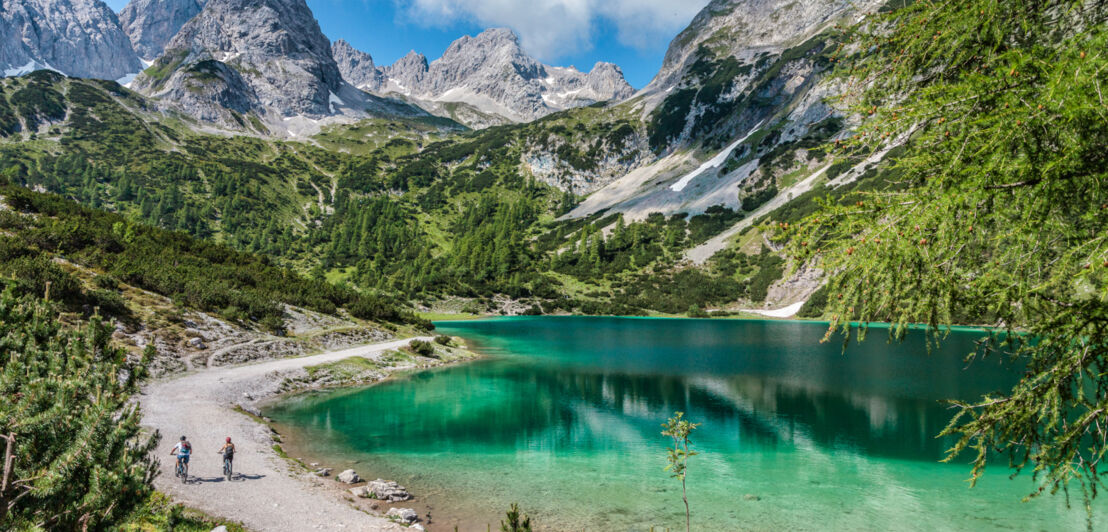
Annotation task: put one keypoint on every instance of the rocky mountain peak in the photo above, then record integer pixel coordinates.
(266, 57)
(608, 77)
(485, 42)
(81, 38)
(490, 73)
(150, 24)
(356, 66)
(735, 27)
(406, 73)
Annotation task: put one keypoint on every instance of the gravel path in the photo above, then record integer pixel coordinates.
(265, 493)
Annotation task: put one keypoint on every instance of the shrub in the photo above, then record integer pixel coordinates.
(421, 348)
(86, 465)
(106, 282)
(273, 324)
(109, 302)
(696, 312)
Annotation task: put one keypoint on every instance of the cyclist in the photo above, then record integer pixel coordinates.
(228, 452)
(182, 450)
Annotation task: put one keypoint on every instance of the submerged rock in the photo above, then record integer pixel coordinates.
(404, 515)
(349, 477)
(751, 497)
(387, 490)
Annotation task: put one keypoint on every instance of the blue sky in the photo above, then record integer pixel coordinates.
(633, 34)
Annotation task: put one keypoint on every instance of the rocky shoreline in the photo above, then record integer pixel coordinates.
(272, 491)
(375, 496)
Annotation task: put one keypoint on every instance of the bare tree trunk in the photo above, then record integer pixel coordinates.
(684, 494)
(686, 499)
(9, 463)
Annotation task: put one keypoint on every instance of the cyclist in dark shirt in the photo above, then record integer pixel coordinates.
(228, 452)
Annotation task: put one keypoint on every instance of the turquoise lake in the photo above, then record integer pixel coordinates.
(564, 418)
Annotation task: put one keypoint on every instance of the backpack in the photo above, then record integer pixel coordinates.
(186, 448)
(229, 452)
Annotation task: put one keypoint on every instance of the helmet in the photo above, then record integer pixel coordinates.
(182, 438)
(228, 439)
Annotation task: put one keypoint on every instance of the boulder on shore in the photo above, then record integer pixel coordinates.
(388, 490)
(404, 515)
(349, 477)
(323, 472)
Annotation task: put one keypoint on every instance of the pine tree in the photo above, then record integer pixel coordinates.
(996, 212)
(74, 454)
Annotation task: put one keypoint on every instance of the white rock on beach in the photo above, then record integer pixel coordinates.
(406, 515)
(323, 472)
(388, 490)
(349, 477)
(361, 492)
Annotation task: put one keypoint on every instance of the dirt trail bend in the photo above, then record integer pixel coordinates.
(265, 494)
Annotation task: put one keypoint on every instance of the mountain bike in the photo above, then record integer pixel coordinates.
(183, 470)
(227, 467)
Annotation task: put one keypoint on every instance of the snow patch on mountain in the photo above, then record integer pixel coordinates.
(713, 163)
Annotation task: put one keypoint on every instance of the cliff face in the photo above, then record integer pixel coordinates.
(80, 38)
(150, 24)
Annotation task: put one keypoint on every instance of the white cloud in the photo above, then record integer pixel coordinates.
(550, 29)
(641, 22)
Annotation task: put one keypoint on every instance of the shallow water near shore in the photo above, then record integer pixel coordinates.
(564, 418)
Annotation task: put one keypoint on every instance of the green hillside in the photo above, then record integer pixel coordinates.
(414, 217)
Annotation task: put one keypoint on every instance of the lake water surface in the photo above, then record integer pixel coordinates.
(564, 418)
